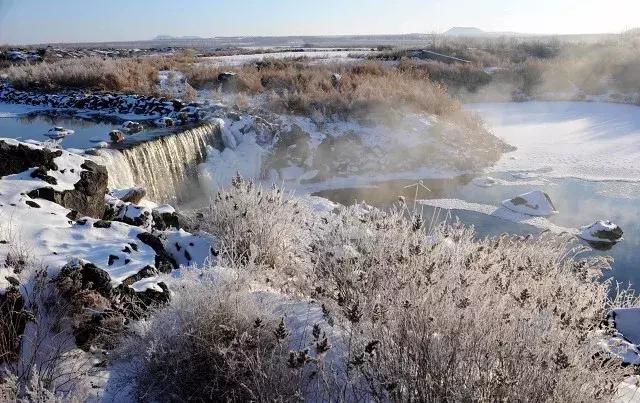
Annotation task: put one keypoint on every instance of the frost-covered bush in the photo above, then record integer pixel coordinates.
(431, 312)
(447, 317)
(212, 343)
(259, 227)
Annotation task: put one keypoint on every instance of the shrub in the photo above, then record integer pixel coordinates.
(432, 314)
(211, 343)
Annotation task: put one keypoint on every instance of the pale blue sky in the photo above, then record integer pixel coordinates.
(37, 21)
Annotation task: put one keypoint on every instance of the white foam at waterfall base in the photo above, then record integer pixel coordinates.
(166, 167)
(221, 167)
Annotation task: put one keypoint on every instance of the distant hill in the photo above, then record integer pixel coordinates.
(465, 31)
(171, 38)
(477, 32)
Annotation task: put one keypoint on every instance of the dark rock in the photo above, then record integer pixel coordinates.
(87, 197)
(72, 215)
(164, 262)
(18, 158)
(133, 195)
(31, 203)
(41, 173)
(116, 136)
(164, 221)
(112, 259)
(291, 148)
(102, 224)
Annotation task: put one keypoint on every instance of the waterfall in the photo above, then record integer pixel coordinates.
(166, 166)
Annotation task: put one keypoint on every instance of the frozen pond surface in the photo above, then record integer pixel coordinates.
(586, 156)
(594, 141)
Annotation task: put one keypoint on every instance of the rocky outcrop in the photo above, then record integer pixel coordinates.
(16, 158)
(100, 311)
(291, 148)
(108, 103)
(87, 197)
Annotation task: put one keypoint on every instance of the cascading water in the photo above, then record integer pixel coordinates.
(166, 167)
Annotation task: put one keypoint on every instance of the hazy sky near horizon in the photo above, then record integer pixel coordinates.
(39, 21)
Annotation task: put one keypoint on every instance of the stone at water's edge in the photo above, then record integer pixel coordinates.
(87, 197)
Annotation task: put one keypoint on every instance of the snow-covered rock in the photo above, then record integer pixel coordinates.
(58, 132)
(164, 122)
(626, 339)
(132, 127)
(484, 182)
(132, 195)
(601, 231)
(535, 203)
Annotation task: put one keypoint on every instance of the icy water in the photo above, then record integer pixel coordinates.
(87, 133)
(586, 156)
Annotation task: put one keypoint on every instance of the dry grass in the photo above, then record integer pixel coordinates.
(301, 88)
(127, 75)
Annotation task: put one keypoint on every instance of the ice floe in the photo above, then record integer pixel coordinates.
(535, 203)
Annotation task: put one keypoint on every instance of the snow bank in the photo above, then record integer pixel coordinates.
(591, 141)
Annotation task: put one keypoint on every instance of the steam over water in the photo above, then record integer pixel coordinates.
(166, 167)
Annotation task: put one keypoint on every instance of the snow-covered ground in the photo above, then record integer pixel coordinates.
(591, 141)
(319, 55)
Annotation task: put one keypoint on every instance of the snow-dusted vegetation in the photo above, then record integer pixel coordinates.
(182, 254)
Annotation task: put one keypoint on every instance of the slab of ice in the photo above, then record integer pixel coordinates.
(502, 213)
(536, 203)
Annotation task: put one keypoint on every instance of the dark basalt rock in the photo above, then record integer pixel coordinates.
(18, 158)
(102, 224)
(164, 262)
(31, 203)
(87, 197)
(41, 173)
(100, 310)
(164, 221)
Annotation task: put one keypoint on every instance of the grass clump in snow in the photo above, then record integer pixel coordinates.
(213, 343)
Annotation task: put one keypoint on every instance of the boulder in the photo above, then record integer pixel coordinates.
(601, 232)
(335, 79)
(536, 203)
(131, 195)
(228, 81)
(132, 127)
(291, 148)
(87, 197)
(58, 132)
(164, 262)
(116, 136)
(16, 158)
(165, 217)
